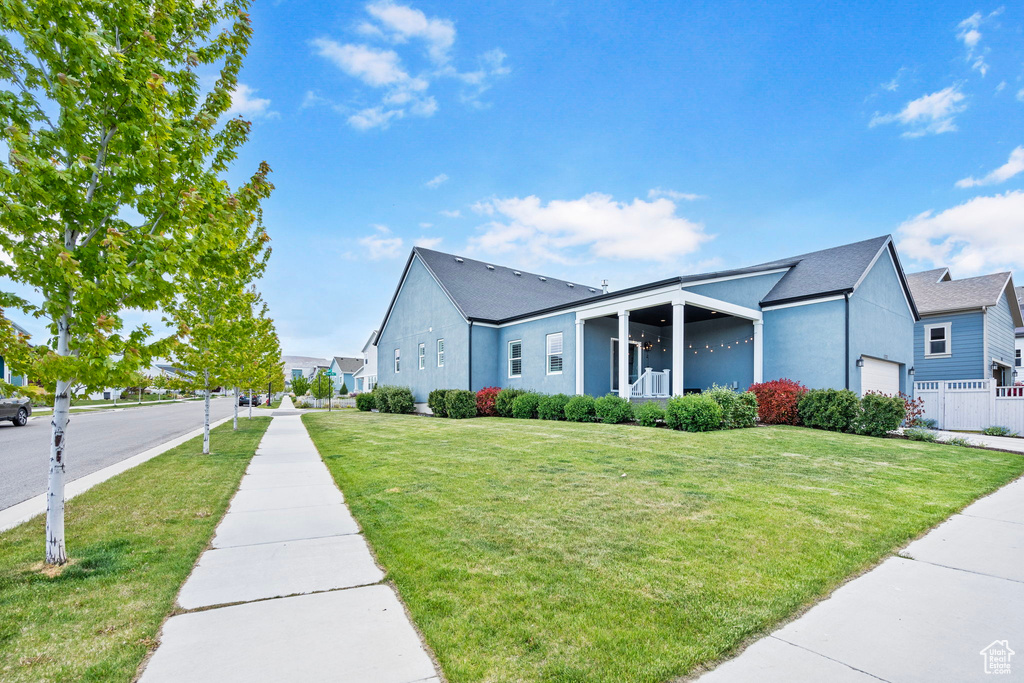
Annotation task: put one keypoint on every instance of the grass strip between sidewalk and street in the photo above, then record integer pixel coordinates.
(529, 550)
(132, 542)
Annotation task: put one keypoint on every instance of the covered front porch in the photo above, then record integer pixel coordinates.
(676, 342)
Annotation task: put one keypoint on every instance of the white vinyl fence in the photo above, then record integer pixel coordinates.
(972, 405)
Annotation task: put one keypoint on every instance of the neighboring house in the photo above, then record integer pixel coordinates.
(1019, 334)
(840, 317)
(366, 376)
(6, 374)
(967, 326)
(299, 366)
(344, 369)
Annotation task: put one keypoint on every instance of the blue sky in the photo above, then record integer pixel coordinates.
(627, 141)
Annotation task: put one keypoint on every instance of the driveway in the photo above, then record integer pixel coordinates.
(95, 440)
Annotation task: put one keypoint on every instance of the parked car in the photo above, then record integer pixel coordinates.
(243, 399)
(16, 409)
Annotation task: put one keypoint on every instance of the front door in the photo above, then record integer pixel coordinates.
(634, 363)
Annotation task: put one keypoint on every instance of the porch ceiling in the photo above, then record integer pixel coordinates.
(661, 316)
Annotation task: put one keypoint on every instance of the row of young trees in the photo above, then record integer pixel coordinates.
(114, 199)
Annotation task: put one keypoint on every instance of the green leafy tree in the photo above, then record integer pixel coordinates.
(109, 134)
(321, 386)
(343, 391)
(300, 385)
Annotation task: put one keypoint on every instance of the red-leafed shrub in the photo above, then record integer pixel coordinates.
(485, 401)
(777, 401)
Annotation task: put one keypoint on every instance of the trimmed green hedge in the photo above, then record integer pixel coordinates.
(738, 410)
(525, 406)
(880, 414)
(552, 407)
(693, 413)
(460, 404)
(436, 402)
(503, 402)
(393, 399)
(365, 402)
(580, 409)
(612, 409)
(836, 410)
(649, 414)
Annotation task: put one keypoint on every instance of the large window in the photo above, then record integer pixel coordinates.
(554, 344)
(440, 353)
(937, 340)
(515, 358)
(423, 356)
(398, 360)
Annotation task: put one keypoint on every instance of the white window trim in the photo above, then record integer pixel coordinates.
(548, 355)
(398, 361)
(510, 359)
(422, 356)
(440, 352)
(948, 327)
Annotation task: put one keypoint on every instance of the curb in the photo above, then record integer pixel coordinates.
(27, 509)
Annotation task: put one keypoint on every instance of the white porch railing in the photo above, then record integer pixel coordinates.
(972, 405)
(651, 384)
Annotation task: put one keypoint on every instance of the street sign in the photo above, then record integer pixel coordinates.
(330, 373)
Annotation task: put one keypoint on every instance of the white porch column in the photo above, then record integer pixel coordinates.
(579, 356)
(678, 348)
(758, 351)
(624, 354)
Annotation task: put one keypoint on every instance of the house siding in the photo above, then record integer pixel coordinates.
(485, 350)
(807, 344)
(533, 335)
(1000, 332)
(968, 349)
(745, 291)
(422, 314)
(881, 323)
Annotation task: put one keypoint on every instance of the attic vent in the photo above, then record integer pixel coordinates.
(592, 290)
(490, 267)
(516, 272)
(569, 284)
(458, 260)
(542, 279)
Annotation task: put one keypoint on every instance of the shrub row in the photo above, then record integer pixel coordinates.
(839, 410)
(388, 399)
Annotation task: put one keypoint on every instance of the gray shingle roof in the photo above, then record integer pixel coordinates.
(348, 364)
(827, 271)
(485, 291)
(956, 295)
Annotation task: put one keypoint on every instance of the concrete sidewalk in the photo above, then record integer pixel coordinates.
(289, 590)
(925, 615)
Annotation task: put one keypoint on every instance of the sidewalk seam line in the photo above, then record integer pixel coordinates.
(831, 659)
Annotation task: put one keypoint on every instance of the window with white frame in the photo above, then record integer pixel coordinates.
(937, 343)
(515, 358)
(398, 360)
(554, 345)
(1016, 358)
(440, 353)
(423, 356)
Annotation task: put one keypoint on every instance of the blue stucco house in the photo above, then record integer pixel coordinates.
(967, 328)
(841, 317)
(6, 373)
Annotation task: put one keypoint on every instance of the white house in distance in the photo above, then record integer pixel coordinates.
(366, 376)
(1019, 350)
(300, 366)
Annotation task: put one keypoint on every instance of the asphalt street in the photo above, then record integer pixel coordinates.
(94, 441)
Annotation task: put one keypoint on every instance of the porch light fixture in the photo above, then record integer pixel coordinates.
(860, 362)
(995, 366)
(911, 371)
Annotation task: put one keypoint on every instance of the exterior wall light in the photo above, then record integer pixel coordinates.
(860, 362)
(911, 371)
(994, 366)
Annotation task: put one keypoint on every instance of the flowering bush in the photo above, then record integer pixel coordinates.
(777, 401)
(915, 411)
(485, 401)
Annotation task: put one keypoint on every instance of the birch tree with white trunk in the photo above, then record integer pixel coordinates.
(108, 136)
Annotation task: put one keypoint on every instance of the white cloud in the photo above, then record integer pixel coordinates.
(245, 103)
(981, 235)
(968, 32)
(380, 227)
(428, 242)
(932, 113)
(1020, 94)
(404, 89)
(451, 213)
(382, 247)
(657, 192)
(437, 181)
(403, 22)
(1011, 168)
(425, 226)
(894, 84)
(594, 225)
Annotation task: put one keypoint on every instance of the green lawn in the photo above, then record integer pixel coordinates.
(543, 551)
(133, 541)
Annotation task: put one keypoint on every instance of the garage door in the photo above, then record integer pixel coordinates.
(880, 375)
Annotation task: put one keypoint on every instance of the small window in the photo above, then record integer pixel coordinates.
(423, 356)
(398, 360)
(515, 358)
(440, 353)
(555, 353)
(1016, 358)
(937, 340)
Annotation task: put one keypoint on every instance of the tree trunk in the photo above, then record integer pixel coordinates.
(56, 551)
(236, 409)
(206, 418)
